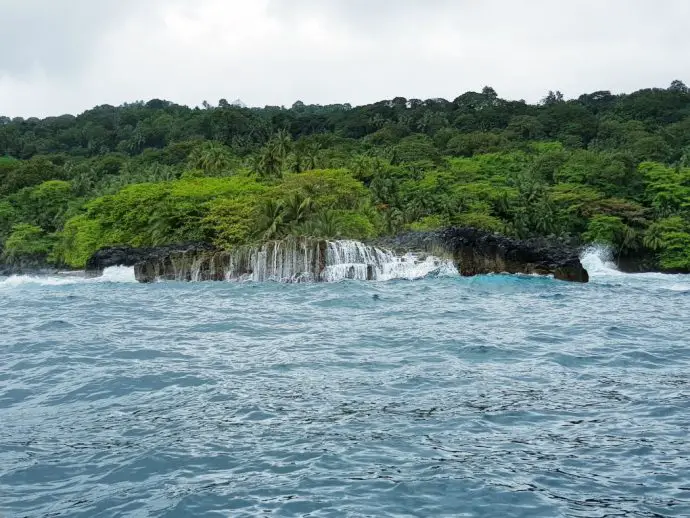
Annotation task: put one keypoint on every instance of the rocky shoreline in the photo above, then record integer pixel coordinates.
(473, 251)
(128, 256)
(478, 252)
(7, 270)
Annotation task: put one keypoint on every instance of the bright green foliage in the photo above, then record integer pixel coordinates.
(611, 230)
(429, 223)
(671, 236)
(667, 189)
(154, 214)
(605, 230)
(603, 167)
(469, 144)
(481, 221)
(214, 159)
(417, 151)
(27, 244)
(351, 224)
(27, 173)
(614, 175)
(231, 221)
(45, 205)
(319, 203)
(327, 188)
(80, 238)
(676, 252)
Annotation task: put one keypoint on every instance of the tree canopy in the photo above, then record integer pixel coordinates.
(600, 168)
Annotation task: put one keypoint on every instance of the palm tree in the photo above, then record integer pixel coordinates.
(270, 162)
(311, 157)
(629, 238)
(362, 168)
(271, 219)
(653, 238)
(283, 143)
(326, 225)
(297, 209)
(211, 157)
(394, 219)
(161, 222)
(294, 161)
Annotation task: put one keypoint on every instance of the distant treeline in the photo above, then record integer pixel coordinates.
(602, 168)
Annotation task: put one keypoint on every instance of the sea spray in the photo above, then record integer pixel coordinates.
(114, 274)
(357, 261)
(597, 259)
(295, 260)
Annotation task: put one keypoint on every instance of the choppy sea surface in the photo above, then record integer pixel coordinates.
(489, 396)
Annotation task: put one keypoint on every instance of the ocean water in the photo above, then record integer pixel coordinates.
(489, 396)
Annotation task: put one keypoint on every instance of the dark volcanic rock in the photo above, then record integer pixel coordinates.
(473, 251)
(28, 266)
(291, 259)
(17, 269)
(126, 256)
(479, 252)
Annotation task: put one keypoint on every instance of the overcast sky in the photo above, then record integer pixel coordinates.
(64, 56)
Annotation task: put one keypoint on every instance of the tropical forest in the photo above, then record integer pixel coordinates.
(604, 168)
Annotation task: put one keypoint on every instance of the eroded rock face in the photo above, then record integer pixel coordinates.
(127, 256)
(28, 266)
(474, 252)
(291, 260)
(477, 252)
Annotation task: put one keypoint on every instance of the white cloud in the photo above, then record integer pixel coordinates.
(357, 51)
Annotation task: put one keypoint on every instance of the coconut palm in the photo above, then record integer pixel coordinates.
(283, 143)
(653, 239)
(311, 157)
(294, 163)
(271, 220)
(270, 162)
(297, 209)
(326, 225)
(211, 157)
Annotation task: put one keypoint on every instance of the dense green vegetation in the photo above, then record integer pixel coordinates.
(601, 168)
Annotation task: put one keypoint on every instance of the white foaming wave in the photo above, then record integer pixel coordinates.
(384, 266)
(598, 261)
(115, 274)
(41, 280)
(410, 267)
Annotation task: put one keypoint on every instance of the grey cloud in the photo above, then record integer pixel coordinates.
(366, 14)
(321, 51)
(55, 36)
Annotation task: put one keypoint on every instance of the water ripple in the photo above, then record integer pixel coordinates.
(492, 396)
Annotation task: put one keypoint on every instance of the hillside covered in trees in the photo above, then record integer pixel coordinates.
(605, 168)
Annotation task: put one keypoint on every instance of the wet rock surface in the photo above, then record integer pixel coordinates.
(474, 252)
(127, 256)
(478, 252)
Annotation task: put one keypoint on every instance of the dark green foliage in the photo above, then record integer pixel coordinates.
(605, 168)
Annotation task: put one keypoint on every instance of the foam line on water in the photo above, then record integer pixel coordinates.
(115, 274)
(598, 261)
